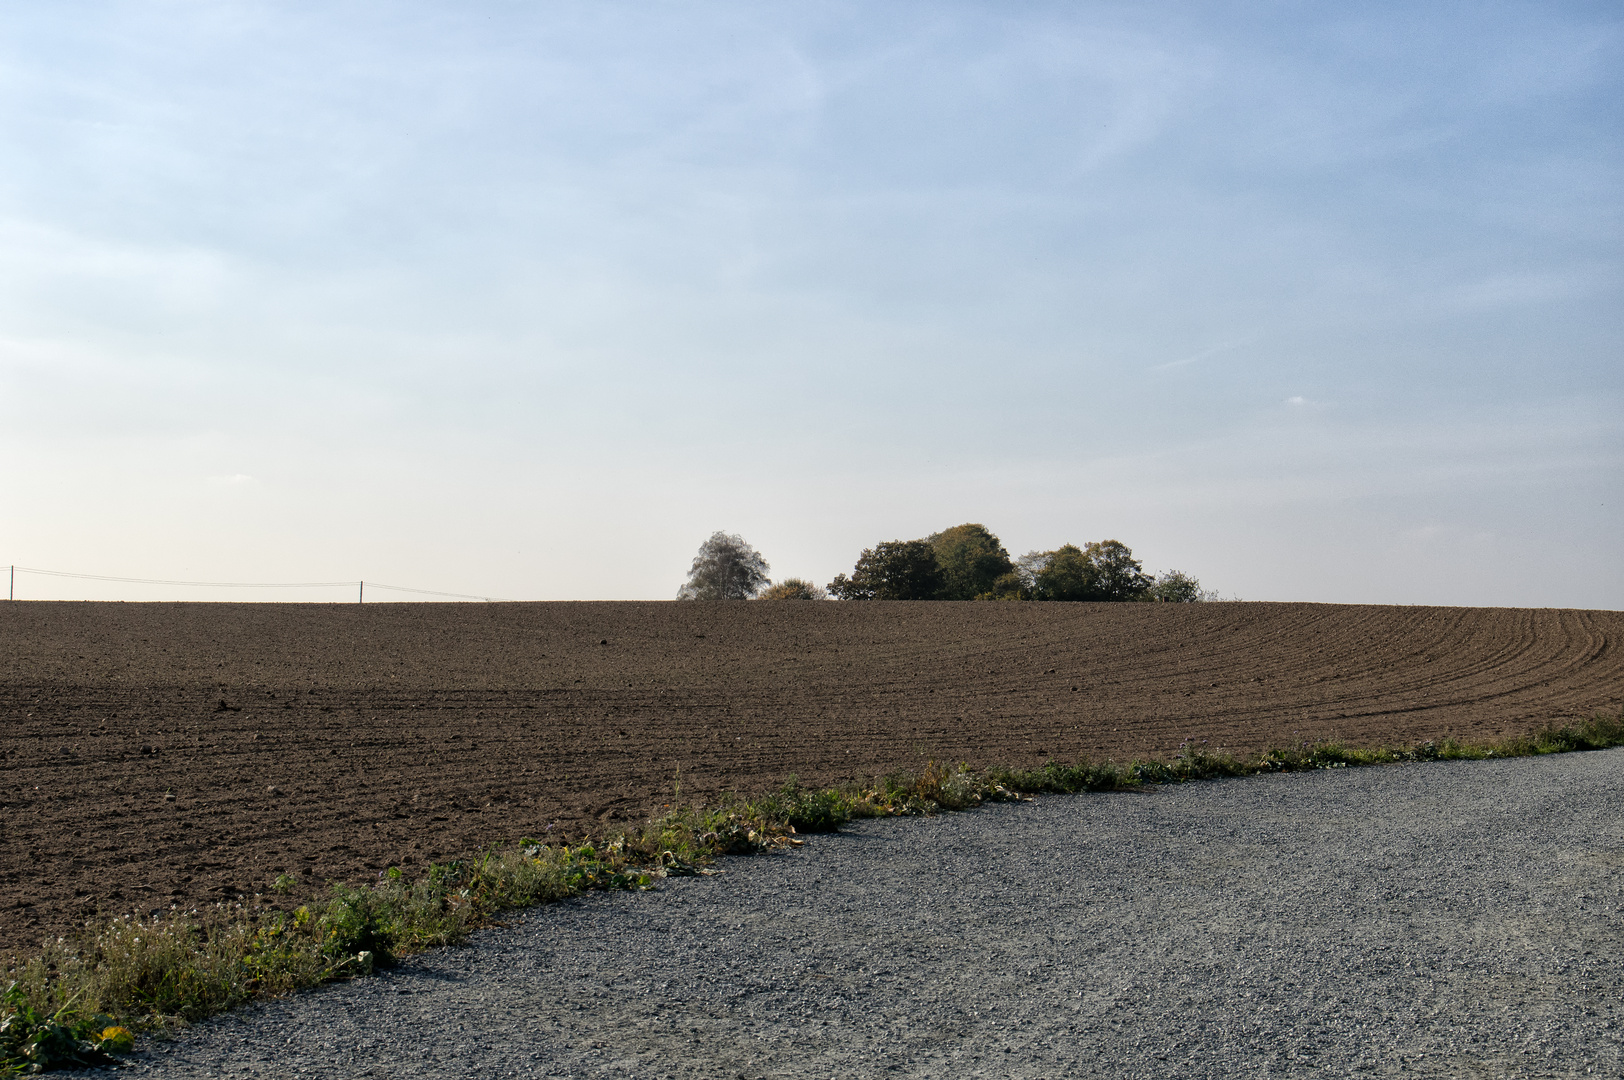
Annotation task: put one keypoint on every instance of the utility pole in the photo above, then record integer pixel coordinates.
(361, 596)
(12, 595)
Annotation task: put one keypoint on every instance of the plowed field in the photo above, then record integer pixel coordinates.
(181, 753)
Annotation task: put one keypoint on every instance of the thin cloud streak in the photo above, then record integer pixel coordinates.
(1204, 354)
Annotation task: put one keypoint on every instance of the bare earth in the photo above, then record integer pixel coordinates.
(331, 741)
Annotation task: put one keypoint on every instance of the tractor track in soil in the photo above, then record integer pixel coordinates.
(331, 741)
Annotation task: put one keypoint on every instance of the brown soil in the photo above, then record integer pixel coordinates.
(332, 741)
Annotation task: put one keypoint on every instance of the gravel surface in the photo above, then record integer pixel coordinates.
(1447, 919)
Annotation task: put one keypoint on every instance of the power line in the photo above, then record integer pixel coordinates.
(431, 592)
(205, 584)
(240, 584)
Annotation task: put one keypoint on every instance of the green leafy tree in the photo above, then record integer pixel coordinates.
(1102, 571)
(894, 570)
(793, 589)
(972, 560)
(1066, 573)
(1175, 587)
(1120, 575)
(726, 568)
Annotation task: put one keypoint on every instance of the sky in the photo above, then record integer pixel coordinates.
(525, 299)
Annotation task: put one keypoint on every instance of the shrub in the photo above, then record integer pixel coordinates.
(1174, 587)
(793, 589)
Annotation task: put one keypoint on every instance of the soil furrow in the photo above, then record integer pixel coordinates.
(182, 753)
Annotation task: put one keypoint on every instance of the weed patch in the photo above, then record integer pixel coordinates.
(32, 1042)
(78, 1002)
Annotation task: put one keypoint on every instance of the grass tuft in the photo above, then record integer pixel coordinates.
(77, 1002)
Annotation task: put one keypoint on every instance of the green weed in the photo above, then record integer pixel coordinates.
(805, 810)
(32, 1042)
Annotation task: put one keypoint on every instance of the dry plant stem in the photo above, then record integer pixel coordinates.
(151, 974)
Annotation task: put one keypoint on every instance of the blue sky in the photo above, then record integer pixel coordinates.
(524, 299)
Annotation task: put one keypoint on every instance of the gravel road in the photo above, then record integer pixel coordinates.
(1447, 919)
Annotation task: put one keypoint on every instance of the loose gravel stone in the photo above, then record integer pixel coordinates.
(1445, 919)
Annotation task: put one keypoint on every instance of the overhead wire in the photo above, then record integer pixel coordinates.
(431, 592)
(254, 584)
(206, 584)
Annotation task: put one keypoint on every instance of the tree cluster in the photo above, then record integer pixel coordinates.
(967, 562)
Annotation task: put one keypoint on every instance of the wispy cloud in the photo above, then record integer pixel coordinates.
(1204, 354)
(647, 263)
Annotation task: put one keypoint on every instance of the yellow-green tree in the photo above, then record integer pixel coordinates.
(793, 589)
(972, 560)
